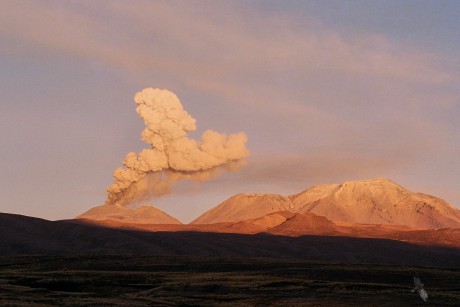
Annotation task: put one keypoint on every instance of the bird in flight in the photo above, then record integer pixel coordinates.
(419, 288)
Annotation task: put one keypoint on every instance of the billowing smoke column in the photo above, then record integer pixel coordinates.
(172, 156)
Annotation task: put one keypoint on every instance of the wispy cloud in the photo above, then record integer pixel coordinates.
(300, 83)
(190, 37)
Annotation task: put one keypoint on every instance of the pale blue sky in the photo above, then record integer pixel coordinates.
(327, 91)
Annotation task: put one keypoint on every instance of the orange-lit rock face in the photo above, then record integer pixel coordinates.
(377, 208)
(141, 215)
(282, 223)
(377, 201)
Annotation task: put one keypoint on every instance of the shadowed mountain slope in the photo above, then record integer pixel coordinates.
(306, 223)
(25, 236)
(290, 224)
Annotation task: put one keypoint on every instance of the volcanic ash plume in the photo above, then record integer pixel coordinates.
(172, 156)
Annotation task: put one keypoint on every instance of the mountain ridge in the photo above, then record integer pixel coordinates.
(375, 201)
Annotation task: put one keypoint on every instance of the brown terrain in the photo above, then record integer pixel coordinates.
(177, 280)
(290, 224)
(31, 236)
(280, 259)
(375, 221)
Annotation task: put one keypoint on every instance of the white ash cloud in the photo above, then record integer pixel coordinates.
(173, 156)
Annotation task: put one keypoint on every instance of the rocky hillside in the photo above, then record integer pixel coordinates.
(376, 201)
(141, 215)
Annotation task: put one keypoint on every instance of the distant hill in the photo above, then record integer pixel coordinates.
(377, 201)
(21, 235)
(141, 215)
(244, 207)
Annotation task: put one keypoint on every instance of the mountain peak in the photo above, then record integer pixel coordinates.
(373, 183)
(374, 201)
(374, 188)
(141, 215)
(253, 206)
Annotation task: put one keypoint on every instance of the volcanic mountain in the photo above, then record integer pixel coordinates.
(141, 215)
(376, 201)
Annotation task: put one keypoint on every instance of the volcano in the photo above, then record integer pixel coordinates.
(141, 215)
(376, 201)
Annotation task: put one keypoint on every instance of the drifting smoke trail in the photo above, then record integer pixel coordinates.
(172, 156)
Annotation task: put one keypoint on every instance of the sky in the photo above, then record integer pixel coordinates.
(326, 92)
